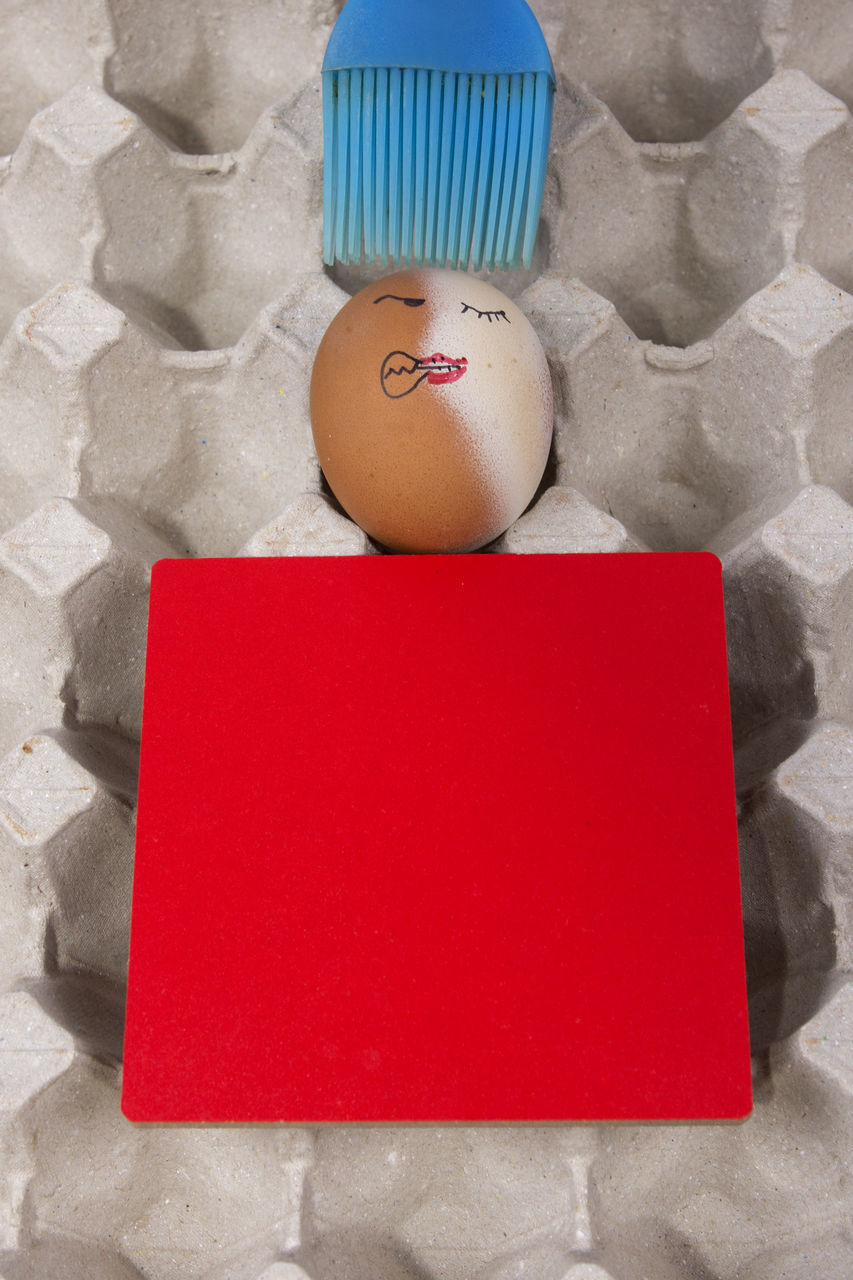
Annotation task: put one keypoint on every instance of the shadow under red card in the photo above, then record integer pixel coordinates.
(437, 838)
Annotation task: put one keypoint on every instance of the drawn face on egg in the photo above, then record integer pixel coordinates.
(432, 411)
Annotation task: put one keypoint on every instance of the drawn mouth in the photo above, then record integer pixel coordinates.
(402, 373)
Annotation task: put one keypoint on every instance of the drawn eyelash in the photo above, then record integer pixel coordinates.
(490, 315)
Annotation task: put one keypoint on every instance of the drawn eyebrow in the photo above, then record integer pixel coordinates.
(491, 315)
(409, 302)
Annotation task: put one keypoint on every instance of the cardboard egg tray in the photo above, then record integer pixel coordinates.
(163, 294)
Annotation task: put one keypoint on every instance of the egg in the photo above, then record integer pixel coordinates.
(432, 410)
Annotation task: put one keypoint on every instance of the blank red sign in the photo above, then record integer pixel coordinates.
(437, 838)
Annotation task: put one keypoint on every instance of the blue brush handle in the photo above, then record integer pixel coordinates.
(491, 37)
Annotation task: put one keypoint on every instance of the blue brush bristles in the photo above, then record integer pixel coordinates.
(430, 159)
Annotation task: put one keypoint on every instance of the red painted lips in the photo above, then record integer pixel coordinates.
(402, 373)
(442, 369)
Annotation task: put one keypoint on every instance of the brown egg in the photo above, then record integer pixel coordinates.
(432, 410)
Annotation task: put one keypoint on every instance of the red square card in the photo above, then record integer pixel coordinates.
(437, 838)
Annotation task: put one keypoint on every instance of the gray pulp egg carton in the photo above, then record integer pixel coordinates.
(163, 295)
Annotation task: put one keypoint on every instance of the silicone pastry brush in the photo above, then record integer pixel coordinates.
(437, 119)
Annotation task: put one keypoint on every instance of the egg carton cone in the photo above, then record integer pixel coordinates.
(163, 295)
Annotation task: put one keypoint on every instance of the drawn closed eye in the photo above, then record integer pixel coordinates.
(487, 315)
